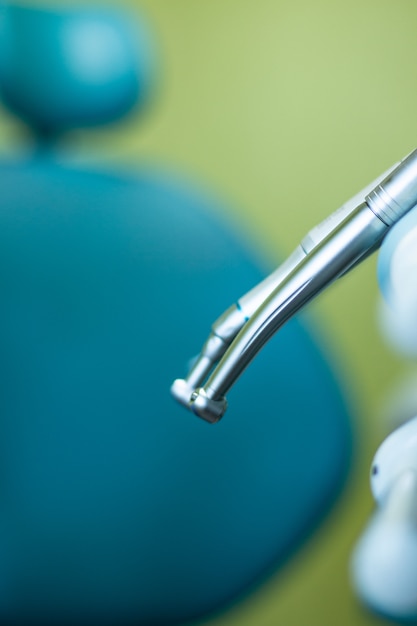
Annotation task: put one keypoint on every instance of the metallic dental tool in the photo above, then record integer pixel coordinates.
(328, 251)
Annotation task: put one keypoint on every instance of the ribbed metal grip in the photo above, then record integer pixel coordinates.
(397, 193)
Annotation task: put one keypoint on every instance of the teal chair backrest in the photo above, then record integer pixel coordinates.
(117, 505)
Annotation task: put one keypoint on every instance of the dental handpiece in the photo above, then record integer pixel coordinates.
(328, 251)
(227, 326)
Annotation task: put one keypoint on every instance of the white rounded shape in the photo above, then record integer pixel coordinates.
(397, 260)
(398, 322)
(397, 274)
(384, 567)
(397, 454)
(404, 264)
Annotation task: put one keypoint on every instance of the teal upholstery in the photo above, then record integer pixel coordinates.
(64, 69)
(117, 505)
(116, 501)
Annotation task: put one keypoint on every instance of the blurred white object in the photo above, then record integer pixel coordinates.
(384, 563)
(397, 273)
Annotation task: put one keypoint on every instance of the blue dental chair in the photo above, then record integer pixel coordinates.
(118, 506)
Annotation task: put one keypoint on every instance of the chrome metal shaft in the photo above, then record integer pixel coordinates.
(327, 252)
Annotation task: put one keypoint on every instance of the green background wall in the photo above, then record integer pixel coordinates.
(284, 109)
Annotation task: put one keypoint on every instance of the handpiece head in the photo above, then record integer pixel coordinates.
(182, 391)
(209, 409)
